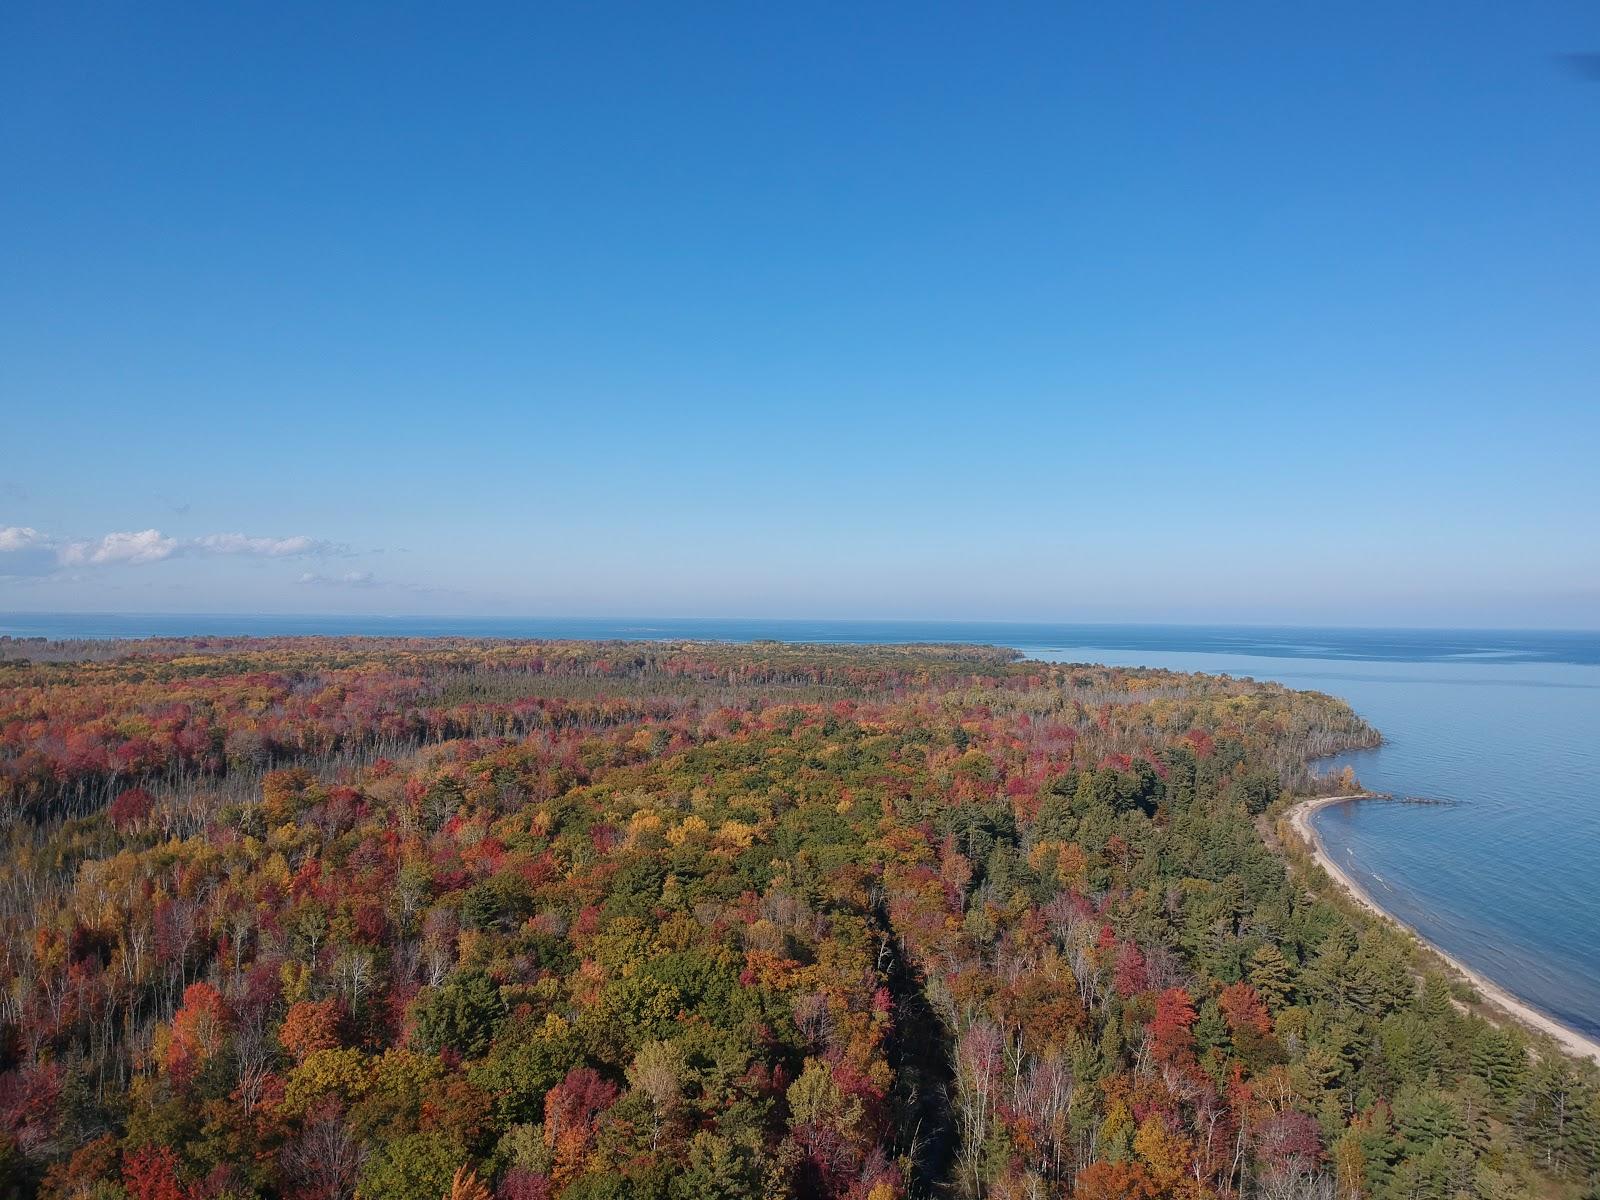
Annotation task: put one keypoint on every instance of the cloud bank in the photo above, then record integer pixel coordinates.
(26, 551)
(147, 546)
(266, 547)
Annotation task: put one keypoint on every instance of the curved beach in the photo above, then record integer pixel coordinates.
(1570, 1040)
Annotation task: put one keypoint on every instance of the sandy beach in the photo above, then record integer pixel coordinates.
(1570, 1040)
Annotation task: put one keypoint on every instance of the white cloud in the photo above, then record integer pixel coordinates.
(146, 546)
(25, 553)
(20, 537)
(264, 547)
(30, 552)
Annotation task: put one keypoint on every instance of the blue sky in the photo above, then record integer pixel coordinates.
(1059, 311)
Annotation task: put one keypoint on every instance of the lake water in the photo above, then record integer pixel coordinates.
(1502, 726)
(1506, 874)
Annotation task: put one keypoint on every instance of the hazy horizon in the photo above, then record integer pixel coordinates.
(602, 619)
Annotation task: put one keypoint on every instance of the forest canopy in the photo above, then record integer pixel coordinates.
(399, 919)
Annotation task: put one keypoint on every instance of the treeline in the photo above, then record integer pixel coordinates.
(534, 920)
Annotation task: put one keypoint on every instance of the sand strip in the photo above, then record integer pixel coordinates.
(1570, 1040)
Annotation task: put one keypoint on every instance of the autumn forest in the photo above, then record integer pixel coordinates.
(387, 919)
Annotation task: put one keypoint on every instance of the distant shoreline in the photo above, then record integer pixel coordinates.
(1570, 1040)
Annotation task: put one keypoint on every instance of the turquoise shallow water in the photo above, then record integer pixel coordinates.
(1503, 726)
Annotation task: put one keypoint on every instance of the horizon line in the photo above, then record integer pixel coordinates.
(636, 619)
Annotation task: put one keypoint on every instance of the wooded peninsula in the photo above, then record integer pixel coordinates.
(449, 919)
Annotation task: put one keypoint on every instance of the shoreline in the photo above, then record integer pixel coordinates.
(1569, 1040)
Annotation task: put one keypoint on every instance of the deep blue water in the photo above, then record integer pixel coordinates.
(1503, 725)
